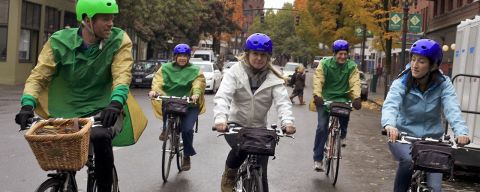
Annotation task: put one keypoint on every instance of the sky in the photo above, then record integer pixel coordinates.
(276, 3)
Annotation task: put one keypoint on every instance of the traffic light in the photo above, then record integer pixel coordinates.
(297, 20)
(262, 18)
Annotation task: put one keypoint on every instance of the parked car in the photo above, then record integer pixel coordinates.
(317, 59)
(289, 70)
(143, 72)
(212, 74)
(363, 86)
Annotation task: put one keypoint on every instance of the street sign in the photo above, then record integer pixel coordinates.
(395, 22)
(359, 32)
(415, 23)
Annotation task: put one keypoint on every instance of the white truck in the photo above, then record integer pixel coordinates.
(466, 79)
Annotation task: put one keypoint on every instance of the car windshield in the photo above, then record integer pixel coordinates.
(202, 56)
(205, 67)
(318, 57)
(145, 66)
(290, 67)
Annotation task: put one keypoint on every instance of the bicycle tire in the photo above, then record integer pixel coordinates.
(256, 182)
(52, 185)
(92, 183)
(179, 147)
(337, 156)
(239, 184)
(327, 154)
(167, 152)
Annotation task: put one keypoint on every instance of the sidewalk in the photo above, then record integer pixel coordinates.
(377, 97)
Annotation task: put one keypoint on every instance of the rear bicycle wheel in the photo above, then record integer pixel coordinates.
(167, 152)
(336, 157)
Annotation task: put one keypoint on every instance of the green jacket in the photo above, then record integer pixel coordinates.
(73, 80)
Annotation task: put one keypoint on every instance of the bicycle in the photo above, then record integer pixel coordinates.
(249, 175)
(64, 181)
(173, 145)
(419, 177)
(333, 147)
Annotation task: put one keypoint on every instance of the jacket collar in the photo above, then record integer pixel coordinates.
(405, 74)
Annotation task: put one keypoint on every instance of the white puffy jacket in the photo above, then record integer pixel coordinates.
(235, 102)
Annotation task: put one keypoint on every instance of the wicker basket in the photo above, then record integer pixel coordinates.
(60, 151)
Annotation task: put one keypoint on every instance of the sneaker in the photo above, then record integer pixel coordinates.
(186, 164)
(163, 136)
(318, 166)
(343, 142)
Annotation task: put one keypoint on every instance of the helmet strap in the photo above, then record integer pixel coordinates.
(92, 32)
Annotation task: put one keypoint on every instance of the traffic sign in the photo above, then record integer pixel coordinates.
(415, 23)
(395, 22)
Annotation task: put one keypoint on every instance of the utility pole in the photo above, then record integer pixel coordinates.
(404, 35)
(362, 52)
(388, 52)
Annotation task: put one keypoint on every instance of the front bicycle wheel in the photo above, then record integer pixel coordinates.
(256, 181)
(167, 152)
(55, 185)
(179, 147)
(92, 182)
(336, 157)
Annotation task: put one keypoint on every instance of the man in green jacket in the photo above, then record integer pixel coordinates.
(82, 72)
(336, 79)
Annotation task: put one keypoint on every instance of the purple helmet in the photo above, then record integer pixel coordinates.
(340, 45)
(182, 49)
(259, 42)
(428, 48)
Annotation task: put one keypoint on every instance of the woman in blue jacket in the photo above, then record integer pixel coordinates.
(414, 105)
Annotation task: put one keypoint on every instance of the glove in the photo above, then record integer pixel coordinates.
(357, 103)
(110, 114)
(22, 117)
(318, 101)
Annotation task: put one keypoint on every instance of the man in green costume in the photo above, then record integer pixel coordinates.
(82, 72)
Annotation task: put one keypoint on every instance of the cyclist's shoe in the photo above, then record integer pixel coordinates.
(186, 164)
(228, 179)
(163, 136)
(318, 166)
(343, 142)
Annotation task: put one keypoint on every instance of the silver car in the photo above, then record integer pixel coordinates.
(363, 86)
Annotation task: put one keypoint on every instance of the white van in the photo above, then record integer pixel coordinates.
(205, 55)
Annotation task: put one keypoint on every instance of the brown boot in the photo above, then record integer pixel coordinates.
(163, 136)
(301, 100)
(186, 164)
(228, 179)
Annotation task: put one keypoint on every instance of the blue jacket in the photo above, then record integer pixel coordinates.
(419, 114)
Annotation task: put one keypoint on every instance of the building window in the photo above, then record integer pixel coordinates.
(3, 29)
(29, 34)
(450, 5)
(459, 3)
(435, 8)
(52, 22)
(442, 7)
(69, 19)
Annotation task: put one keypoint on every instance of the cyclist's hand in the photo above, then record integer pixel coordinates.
(392, 133)
(110, 114)
(221, 127)
(318, 101)
(463, 140)
(22, 117)
(357, 103)
(152, 94)
(195, 99)
(290, 129)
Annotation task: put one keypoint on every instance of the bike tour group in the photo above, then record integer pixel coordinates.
(86, 72)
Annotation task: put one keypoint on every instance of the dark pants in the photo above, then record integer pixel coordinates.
(186, 125)
(101, 138)
(235, 160)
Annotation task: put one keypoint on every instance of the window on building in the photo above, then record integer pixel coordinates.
(459, 3)
(69, 20)
(3, 29)
(29, 31)
(52, 22)
(435, 8)
(442, 7)
(450, 5)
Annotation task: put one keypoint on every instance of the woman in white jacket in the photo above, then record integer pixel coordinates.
(246, 93)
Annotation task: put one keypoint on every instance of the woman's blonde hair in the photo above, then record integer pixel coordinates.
(244, 57)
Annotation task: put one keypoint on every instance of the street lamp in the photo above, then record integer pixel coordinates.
(445, 48)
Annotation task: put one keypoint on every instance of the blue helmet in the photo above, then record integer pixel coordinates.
(182, 49)
(340, 45)
(428, 48)
(259, 42)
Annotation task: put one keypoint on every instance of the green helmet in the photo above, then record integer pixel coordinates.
(93, 7)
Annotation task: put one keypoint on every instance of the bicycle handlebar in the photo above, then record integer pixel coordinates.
(31, 121)
(234, 129)
(403, 137)
(161, 98)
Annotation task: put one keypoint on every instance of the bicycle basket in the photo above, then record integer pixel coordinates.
(258, 141)
(340, 109)
(60, 144)
(432, 157)
(176, 106)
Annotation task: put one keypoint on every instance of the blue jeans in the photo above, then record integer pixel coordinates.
(401, 153)
(186, 124)
(322, 132)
